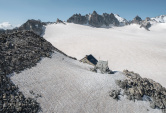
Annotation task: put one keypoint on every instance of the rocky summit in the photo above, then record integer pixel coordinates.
(137, 20)
(94, 19)
(19, 51)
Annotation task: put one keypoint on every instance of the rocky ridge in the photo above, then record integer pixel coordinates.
(108, 20)
(19, 51)
(138, 88)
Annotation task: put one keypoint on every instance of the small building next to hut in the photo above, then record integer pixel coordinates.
(102, 66)
(89, 59)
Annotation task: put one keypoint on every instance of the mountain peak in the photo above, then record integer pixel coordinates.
(94, 13)
(160, 19)
(138, 18)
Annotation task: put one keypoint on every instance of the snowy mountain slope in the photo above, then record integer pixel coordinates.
(121, 20)
(67, 85)
(127, 47)
(160, 19)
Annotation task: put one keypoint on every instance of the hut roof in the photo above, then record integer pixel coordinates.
(92, 59)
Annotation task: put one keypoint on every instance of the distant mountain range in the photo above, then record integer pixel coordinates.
(109, 20)
(94, 20)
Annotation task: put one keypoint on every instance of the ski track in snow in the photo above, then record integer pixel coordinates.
(128, 47)
(67, 86)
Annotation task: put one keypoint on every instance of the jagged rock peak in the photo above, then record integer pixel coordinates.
(33, 25)
(77, 19)
(59, 21)
(94, 13)
(95, 19)
(137, 20)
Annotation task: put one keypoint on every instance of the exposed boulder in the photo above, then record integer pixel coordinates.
(115, 94)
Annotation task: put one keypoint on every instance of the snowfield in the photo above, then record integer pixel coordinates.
(128, 47)
(67, 86)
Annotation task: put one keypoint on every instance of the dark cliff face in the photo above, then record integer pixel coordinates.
(33, 25)
(137, 20)
(110, 19)
(77, 19)
(94, 19)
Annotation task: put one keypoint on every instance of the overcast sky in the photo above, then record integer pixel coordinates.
(18, 11)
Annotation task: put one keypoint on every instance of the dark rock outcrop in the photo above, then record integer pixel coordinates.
(78, 19)
(94, 19)
(137, 88)
(2, 31)
(136, 20)
(115, 94)
(13, 101)
(59, 21)
(146, 23)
